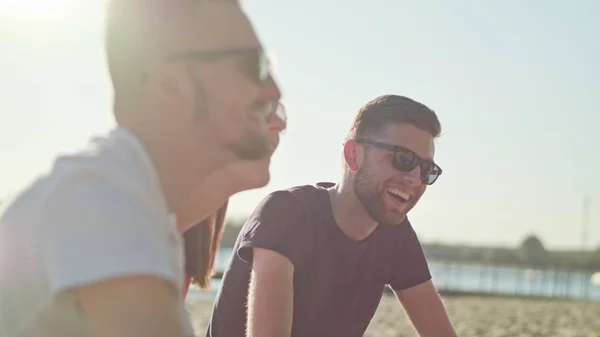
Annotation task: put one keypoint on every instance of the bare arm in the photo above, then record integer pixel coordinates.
(270, 295)
(426, 310)
(135, 306)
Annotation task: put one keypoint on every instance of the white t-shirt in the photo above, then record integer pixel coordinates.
(97, 214)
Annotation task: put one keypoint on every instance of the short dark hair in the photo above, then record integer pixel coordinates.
(393, 109)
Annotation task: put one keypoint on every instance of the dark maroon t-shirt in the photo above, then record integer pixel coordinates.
(338, 282)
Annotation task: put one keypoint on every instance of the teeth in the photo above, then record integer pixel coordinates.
(399, 193)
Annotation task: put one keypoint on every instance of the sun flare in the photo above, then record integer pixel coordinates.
(34, 7)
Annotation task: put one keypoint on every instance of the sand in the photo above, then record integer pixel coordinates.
(475, 317)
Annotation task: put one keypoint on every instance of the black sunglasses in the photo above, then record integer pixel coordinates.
(256, 66)
(405, 160)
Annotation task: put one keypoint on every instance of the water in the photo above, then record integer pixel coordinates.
(482, 279)
(514, 281)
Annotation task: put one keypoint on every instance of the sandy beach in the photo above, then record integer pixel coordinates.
(475, 317)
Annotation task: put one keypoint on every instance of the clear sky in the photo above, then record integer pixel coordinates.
(516, 85)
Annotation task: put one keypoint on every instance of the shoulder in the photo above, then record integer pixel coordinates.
(401, 238)
(80, 225)
(112, 179)
(304, 194)
(289, 203)
(94, 229)
(409, 237)
(88, 197)
(400, 231)
(76, 189)
(283, 199)
(409, 264)
(106, 213)
(276, 207)
(281, 223)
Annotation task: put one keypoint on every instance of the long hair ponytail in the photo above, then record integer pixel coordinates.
(201, 244)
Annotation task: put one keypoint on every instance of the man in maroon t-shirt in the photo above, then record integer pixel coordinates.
(314, 260)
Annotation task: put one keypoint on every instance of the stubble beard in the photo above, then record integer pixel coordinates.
(372, 200)
(253, 146)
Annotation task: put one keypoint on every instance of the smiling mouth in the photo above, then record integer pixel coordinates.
(398, 195)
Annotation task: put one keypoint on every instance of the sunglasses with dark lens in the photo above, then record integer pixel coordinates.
(256, 66)
(405, 160)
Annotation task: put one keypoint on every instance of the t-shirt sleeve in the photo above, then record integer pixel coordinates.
(277, 224)
(95, 230)
(409, 266)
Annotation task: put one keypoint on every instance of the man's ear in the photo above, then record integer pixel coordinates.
(351, 155)
(174, 86)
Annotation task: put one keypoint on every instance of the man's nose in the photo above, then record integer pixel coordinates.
(276, 123)
(278, 118)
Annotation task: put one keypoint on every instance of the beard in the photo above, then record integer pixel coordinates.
(372, 198)
(252, 146)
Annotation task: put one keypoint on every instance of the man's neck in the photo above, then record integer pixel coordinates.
(349, 213)
(218, 192)
(179, 174)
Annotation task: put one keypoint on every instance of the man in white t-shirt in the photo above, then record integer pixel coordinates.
(91, 248)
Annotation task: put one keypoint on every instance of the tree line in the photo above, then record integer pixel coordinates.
(529, 253)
